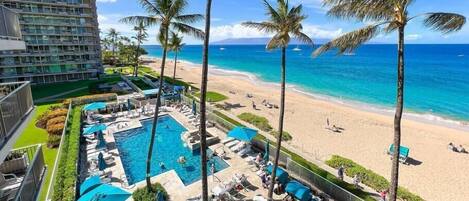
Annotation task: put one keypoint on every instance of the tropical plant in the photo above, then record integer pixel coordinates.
(387, 16)
(175, 44)
(113, 36)
(141, 36)
(168, 14)
(284, 22)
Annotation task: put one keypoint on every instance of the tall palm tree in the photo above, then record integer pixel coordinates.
(114, 40)
(388, 16)
(141, 36)
(203, 96)
(284, 22)
(176, 45)
(168, 14)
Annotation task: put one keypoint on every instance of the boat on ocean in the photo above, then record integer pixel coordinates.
(222, 48)
(296, 49)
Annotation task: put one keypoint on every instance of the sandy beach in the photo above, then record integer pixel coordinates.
(434, 173)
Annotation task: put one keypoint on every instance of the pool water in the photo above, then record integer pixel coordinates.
(133, 148)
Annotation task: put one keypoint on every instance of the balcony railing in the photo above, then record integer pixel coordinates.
(16, 103)
(26, 171)
(9, 24)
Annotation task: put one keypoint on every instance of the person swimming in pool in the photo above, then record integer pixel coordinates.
(162, 166)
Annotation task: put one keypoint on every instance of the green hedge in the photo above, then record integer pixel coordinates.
(65, 180)
(258, 121)
(369, 178)
(226, 118)
(141, 84)
(142, 194)
(285, 135)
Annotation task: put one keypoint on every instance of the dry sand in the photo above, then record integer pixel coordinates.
(435, 173)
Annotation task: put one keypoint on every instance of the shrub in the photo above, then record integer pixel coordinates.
(143, 194)
(41, 121)
(258, 121)
(53, 141)
(55, 129)
(93, 98)
(369, 178)
(64, 186)
(56, 120)
(56, 113)
(285, 136)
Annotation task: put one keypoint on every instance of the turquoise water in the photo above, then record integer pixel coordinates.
(168, 147)
(437, 76)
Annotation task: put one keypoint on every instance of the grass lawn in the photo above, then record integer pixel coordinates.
(141, 84)
(213, 96)
(33, 135)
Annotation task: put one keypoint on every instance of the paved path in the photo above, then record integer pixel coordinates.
(53, 97)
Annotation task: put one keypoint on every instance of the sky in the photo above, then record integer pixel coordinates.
(227, 16)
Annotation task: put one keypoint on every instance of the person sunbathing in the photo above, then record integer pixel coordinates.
(452, 147)
(461, 149)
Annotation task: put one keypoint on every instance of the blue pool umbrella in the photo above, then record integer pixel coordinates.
(194, 107)
(281, 174)
(242, 133)
(101, 142)
(266, 154)
(89, 184)
(149, 92)
(94, 128)
(105, 192)
(298, 190)
(94, 106)
(101, 162)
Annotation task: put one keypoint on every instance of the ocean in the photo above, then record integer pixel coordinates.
(436, 76)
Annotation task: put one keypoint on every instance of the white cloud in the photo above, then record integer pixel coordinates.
(413, 37)
(106, 1)
(240, 31)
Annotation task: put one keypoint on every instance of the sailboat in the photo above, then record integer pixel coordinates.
(297, 48)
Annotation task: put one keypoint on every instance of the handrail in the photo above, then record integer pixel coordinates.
(37, 158)
(50, 189)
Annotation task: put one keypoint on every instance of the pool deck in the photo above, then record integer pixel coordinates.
(170, 180)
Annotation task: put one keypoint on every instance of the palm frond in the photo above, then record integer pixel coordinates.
(302, 37)
(191, 18)
(267, 27)
(271, 12)
(146, 20)
(149, 7)
(445, 22)
(187, 29)
(376, 10)
(276, 42)
(350, 41)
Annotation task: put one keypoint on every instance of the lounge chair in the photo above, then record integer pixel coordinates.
(9, 185)
(224, 189)
(226, 140)
(232, 143)
(246, 150)
(403, 153)
(238, 147)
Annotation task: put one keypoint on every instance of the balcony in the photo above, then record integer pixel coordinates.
(22, 172)
(16, 106)
(10, 32)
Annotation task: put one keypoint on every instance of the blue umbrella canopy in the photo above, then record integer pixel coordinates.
(266, 154)
(101, 162)
(94, 128)
(105, 192)
(94, 106)
(242, 133)
(89, 184)
(101, 142)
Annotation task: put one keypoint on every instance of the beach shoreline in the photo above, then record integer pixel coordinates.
(426, 118)
(365, 138)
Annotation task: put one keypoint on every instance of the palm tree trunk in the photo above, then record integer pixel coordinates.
(157, 108)
(136, 59)
(280, 124)
(398, 116)
(203, 94)
(175, 63)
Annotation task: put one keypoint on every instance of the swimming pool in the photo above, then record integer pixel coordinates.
(133, 147)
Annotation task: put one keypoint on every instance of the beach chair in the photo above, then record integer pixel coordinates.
(238, 147)
(232, 143)
(226, 140)
(403, 153)
(244, 151)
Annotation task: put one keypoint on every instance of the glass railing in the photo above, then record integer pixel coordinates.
(10, 26)
(16, 103)
(29, 169)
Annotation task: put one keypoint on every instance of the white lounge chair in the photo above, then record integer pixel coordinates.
(232, 143)
(226, 140)
(245, 150)
(238, 147)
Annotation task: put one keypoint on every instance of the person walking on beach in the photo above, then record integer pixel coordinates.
(327, 121)
(254, 105)
(340, 172)
(383, 194)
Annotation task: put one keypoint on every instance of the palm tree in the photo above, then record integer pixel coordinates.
(203, 96)
(388, 16)
(284, 22)
(114, 40)
(168, 14)
(176, 45)
(140, 37)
